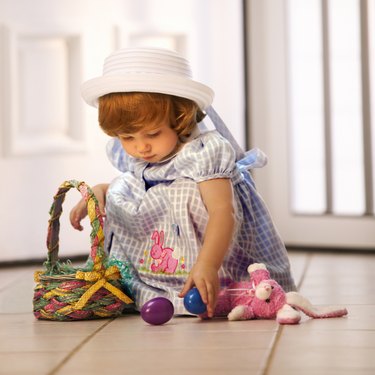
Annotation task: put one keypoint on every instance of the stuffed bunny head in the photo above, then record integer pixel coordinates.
(260, 297)
(269, 297)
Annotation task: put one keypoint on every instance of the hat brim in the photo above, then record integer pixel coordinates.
(93, 89)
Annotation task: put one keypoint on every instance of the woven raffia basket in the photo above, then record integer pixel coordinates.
(63, 292)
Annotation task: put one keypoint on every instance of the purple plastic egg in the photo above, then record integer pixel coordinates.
(157, 311)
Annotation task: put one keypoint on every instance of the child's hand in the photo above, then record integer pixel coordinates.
(79, 211)
(205, 277)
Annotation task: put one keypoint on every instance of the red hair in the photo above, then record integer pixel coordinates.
(127, 113)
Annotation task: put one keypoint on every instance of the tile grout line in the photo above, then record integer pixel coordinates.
(78, 347)
(270, 357)
(263, 368)
(307, 265)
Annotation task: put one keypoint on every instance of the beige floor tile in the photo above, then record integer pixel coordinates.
(30, 363)
(190, 346)
(342, 265)
(11, 276)
(324, 352)
(181, 333)
(183, 346)
(17, 295)
(29, 346)
(182, 324)
(360, 317)
(360, 294)
(298, 263)
(39, 344)
(25, 324)
(332, 346)
(25, 334)
(344, 279)
(189, 360)
(360, 320)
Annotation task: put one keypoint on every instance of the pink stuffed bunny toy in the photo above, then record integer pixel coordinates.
(264, 298)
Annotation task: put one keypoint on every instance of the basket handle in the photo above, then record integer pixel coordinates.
(96, 222)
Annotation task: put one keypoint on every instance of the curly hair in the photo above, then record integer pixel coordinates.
(121, 113)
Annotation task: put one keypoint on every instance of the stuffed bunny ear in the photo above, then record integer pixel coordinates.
(299, 302)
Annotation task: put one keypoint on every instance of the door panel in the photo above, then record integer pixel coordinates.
(273, 77)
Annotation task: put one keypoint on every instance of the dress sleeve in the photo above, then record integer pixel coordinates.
(118, 157)
(207, 157)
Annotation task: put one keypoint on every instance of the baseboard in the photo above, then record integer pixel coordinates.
(38, 261)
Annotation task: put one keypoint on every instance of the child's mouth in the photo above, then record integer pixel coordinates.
(148, 158)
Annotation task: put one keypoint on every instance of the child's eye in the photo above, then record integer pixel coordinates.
(153, 135)
(126, 137)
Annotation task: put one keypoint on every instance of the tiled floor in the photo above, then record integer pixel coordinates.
(128, 345)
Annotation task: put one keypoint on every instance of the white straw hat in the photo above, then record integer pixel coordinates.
(147, 70)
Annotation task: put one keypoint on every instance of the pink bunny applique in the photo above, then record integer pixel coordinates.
(163, 259)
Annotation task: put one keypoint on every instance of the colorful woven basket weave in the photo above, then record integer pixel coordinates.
(67, 293)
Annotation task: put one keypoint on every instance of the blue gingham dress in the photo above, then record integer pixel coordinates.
(156, 218)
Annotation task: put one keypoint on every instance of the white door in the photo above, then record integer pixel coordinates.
(312, 74)
(47, 133)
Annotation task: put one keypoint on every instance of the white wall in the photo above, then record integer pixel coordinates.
(47, 133)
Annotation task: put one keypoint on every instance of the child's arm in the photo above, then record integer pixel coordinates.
(79, 211)
(217, 196)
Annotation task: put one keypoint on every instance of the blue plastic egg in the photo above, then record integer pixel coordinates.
(193, 302)
(157, 311)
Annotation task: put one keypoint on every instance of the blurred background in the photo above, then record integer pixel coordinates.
(294, 78)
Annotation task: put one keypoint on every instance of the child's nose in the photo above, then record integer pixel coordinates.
(143, 147)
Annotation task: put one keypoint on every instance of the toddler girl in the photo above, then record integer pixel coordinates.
(185, 211)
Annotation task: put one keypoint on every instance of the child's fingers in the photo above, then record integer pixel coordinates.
(76, 223)
(188, 285)
(202, 289)
(211, 300)
(77, 214)
(208, 292)
(78, 227)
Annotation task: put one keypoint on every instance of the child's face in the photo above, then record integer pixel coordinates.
(153, 143)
